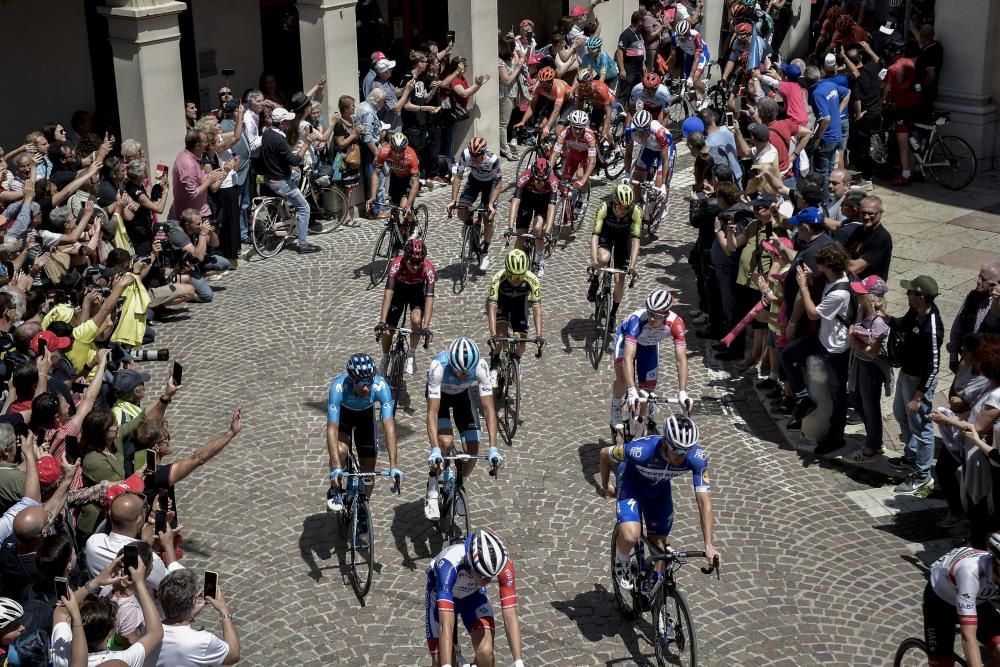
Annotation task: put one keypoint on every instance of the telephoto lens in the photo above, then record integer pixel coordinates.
(139, 354)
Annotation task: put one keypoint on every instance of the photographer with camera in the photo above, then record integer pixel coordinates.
(192, 237)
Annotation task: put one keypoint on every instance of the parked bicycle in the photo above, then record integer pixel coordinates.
(399, 350)
(507, 393)
(393, 238)
(455, 524)
(273, 221)
(604, 324)
(674, 639)
(949, 160)
(472, 246)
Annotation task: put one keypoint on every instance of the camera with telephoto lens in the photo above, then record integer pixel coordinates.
(142, 354)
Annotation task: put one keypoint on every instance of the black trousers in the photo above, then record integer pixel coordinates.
(228, 222)
(860, 140)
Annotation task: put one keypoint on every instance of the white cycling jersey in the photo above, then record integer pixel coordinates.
(487, 170)
(964, 577)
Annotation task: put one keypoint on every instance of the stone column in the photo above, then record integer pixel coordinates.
(475, 26)
(967, 78)
(328, 36)
(145, 41)
(711, 27)
(614, 16)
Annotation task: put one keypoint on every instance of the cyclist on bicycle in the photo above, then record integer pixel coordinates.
(696, 57)
(645, 468)
(534, 207)
(650, 95)
(637, 353)
(511, 290)
(963, 587)
(617, 228)
(580, 145)
(484, 179)
(740, 50)
(404, 177)
(350, 415)
(410, 283)
(597, 96)
(558, 102)
(456, 586)
(656, 152)
(450, 378)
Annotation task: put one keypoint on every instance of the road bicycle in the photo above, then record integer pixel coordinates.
(949, 160)
(654, 204)
(567, 215)
(392, 240)
(674, 637)
(604, 324)
(534, 148)
(507, 392)
(273, 220)
(611, 153)
(912, 652)
(399, 350)
(356, 525)
(529, 245)
(471, 253)
(637, 425)
(454, 523)
(683, 100)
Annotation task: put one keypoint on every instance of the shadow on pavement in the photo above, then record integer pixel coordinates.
(415, 537)
(320, 540)
(590, 462)
(596, 615)
(577, 331)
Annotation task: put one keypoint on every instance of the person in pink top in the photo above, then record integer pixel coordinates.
(791, 92)
(190, 182)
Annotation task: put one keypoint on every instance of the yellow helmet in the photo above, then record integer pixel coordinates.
(624, 194)
(517, 263)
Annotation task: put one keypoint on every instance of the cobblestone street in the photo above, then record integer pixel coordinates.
(809, 577)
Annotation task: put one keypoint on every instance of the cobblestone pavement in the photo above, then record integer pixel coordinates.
(809, 576)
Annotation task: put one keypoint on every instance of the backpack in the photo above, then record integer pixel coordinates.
(894, 343)
(846, 319)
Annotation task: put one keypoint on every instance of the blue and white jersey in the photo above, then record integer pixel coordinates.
(637, 329)
(654, 102)
(451, 578)
(644, 464)
(442, 379)
(342, 395)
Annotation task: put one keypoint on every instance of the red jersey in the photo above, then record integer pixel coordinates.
(527, 185)
(585, 145)
(402, 167)
(600, 95)
(904, 91)
(559, 92)
(399, 271)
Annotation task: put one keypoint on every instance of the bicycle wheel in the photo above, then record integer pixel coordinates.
(629, 604)
(466, 259)
(659, 213)
(362, 546)
(461, 524)
(602, 313)
(423, 217)
(951, 162)
(527, 158)
(878, 148)
(334, 209)
(265, 240)
(511, 406)
(673, 631)
(381, 256)
(395, 371)
(679, 109)
(614, 167)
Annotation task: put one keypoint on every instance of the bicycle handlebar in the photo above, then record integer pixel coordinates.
(608, 269)
(472, 457)
(370, 476)
(539, 342)
(671, 556)
(426, 334)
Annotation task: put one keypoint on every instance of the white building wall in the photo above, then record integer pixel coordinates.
(226, 34)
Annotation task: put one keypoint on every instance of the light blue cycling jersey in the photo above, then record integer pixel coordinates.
(342, 395)
(442, 379)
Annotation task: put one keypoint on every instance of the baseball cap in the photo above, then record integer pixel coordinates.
(807, 216)
(52, 342)
(773, 249)
(924, 285)
(384, 65)
(132, 484)
(870, 285)
(127, 379)
(535, 58)
(281, 114)
(759, 132)
(791, 70)
(692, 124)
(49, 470)
(763, 199)
(377, 56)
(830, 62)
(578, 10)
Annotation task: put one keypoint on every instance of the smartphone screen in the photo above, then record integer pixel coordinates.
(211, 584)
(729, 118)
(178, 374)
(163, 499)
(161, 169)
(451, 36)
(161, 522)
(62, 590)
(42, 346)
(131, 558)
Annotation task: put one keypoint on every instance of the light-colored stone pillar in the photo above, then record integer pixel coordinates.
(614, 16)
(711, 27)
(328, 38)
(797, 40)
(967, 77)
(145, 41)
(475, 26)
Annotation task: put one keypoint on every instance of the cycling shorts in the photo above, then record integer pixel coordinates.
(514, 313)
(475, 611)
(637, 501)
(466, 415)
(702, 62)
(359, 426)
(940, 619)
(404, 295)
(647, 361)
(573, 161)
(620, 246)
(903, 119)
(649, 160)
(399, 187)
(532, 204)
(473, 189)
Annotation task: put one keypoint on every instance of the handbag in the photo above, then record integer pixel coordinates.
(458, 113)
(352, 158)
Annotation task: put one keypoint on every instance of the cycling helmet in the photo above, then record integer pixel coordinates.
(679, 432)
(415, 249)
(641, 120)
(540, 169)
(659, 302)
(11, 611)
(546, 74)
(683, 28)
(360, 368)
(994, 544)
(586, 75)
(477, 146)
(463, 354)
(517, 262)
(594, 43)
(579, 119)
(398, 141)
(743, 29)
(624, 194)
(486, 553)
(651, 80)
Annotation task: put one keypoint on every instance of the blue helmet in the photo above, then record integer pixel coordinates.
(360, 368)
(692, 124)
(463, 354)
(594, 43)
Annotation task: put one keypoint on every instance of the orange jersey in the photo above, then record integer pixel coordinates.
(600, 95)
(558, 93)
(402, 167)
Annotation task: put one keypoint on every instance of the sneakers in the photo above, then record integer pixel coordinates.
(794, 424)
(540, 273)
(334, 500)
(767, 383)
(625, 574)
(913, 483)
(484, 263)
(901, 181)
(431, 509)
(901, 462)
(853, 418)
(803, 406)
(863, 185)
(411, 363)
(307, 248)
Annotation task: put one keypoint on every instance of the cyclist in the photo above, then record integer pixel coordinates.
(410, 283)
(404, 177)
(597, 96)
(580, 145)
(484, 179)
(350, 415)
(645, 468)
(451, 375)
(963, 587)
(534, 206)
(557, 93)
(456, 585)
(656, 153)
(617, 228)
(511, 290)
(650, 95)
(603, 65)
(696, 57)
(637, 352)
(740, 50)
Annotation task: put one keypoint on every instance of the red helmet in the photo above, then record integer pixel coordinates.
(743, 29)
(415, 249)
(546, 74)
(651, 80)
(477, 146)
(540, 169)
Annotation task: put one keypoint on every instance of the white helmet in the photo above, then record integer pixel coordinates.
(641, 120)
(486, 553)
(680, 432)
(682, 28)
(659, 302)
(10, 611)
(579, 118)
(463, 355)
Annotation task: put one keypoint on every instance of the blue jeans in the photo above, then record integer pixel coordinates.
(823, 160)
(201, 287)
(368, 168)
(245, 207)
(289, 191)
(917, 430)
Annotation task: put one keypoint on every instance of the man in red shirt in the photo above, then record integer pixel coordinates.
(782, 132)
(902, 93)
